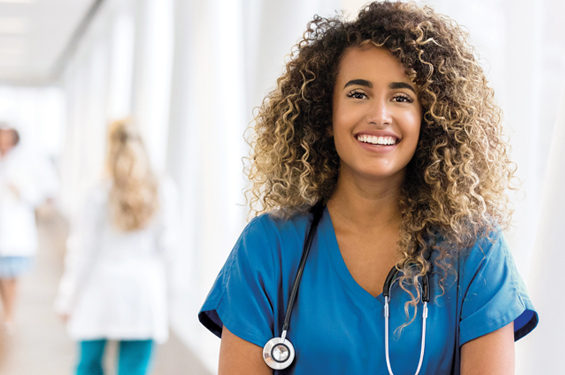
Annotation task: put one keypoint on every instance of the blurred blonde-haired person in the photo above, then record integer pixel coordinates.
(119, 253)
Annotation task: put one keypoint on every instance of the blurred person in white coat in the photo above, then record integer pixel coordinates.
(118, 260)
(26, 181)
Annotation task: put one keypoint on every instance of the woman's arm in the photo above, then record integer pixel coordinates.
(240, 357)
(491, 354)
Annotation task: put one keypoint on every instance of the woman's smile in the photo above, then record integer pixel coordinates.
(377, 141)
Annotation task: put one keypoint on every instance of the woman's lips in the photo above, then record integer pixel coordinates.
(377, 143)
(386, 140)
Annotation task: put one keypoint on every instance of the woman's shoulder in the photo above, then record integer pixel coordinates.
(487, 244)
(480, 244)
(489, 255)
(272, 237)
(278, 225)
(483, 250)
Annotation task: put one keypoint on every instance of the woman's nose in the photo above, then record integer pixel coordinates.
(379, 114)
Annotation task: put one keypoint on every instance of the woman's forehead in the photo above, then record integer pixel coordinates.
(370, 62)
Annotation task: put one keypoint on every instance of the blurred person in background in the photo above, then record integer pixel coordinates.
(115, 283)
(26, 181)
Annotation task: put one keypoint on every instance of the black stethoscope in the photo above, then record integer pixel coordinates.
(279, 353)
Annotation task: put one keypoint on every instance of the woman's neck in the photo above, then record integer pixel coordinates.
(367, 203)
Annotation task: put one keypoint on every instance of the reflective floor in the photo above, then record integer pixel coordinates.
(40, 344)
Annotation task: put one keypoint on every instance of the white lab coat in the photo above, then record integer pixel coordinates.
(115, 283)
(34, 180)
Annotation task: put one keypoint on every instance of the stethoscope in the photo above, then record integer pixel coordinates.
(279, 352)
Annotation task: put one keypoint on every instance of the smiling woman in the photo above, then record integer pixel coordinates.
(380, 172)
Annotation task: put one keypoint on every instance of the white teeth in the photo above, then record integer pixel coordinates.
(382, 141)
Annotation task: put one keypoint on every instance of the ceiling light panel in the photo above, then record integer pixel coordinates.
(17, 1)
(11, 51)
(14, 25)
(10, 60)
(12, 42)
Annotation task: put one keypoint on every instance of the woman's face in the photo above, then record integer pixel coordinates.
(376, 114)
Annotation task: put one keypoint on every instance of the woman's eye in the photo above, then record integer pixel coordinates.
(356, 95)
(403, 99)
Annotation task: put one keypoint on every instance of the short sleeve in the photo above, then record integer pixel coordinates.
(242, 295)
(494, 294)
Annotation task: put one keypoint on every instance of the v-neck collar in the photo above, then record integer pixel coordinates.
(328, 231)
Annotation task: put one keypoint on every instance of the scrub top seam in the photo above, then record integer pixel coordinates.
(514, 283)
(228, 272)
(273, 299)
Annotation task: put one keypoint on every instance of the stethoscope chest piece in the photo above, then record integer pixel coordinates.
(278, 353)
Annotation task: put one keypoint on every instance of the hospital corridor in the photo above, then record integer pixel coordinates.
(146, 147)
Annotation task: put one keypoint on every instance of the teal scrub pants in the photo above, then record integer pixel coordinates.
(133, 359)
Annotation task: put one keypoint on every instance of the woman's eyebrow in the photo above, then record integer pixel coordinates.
(393, 85)
(360, 82)
(401, 85)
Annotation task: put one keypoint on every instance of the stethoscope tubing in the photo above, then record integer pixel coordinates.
(422, 346)
(389, 282)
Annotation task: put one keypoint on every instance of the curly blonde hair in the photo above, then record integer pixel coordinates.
(456, 184)
(133, 194)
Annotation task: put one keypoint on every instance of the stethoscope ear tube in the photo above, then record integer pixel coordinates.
(388, 282)
(392, 275)
(425, 288)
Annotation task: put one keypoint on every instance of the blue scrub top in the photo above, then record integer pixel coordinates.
(337, 327)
